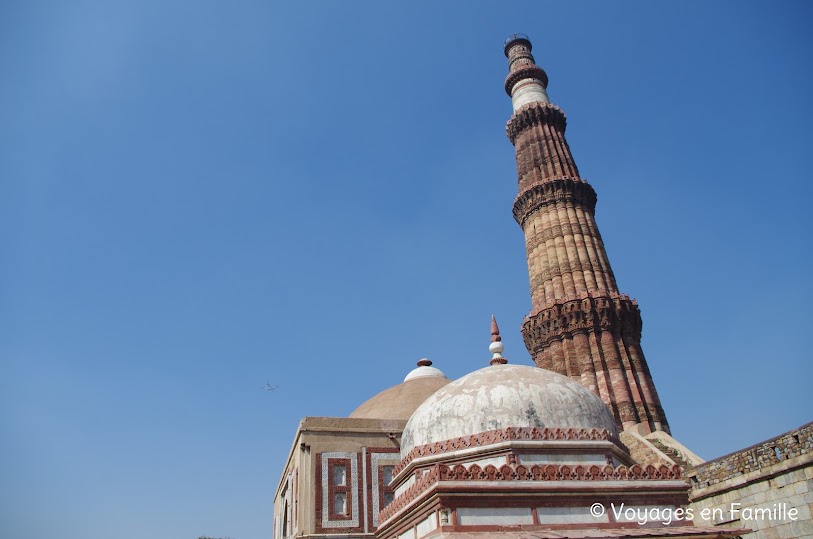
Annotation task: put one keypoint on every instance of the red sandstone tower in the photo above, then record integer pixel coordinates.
(579, 324)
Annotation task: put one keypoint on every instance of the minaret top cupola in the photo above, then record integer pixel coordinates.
(526, 81)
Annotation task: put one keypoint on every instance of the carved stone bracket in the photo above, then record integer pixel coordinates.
(573, 190)
(617, 314)
(533, 114)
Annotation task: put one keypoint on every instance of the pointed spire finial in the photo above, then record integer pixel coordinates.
(496, 347)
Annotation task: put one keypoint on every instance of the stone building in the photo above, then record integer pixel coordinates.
(776, 475)
(578, 446)
(339, 469)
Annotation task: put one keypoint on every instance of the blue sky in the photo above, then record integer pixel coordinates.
(197, 198)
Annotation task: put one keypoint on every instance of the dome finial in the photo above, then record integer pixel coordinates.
(496, 347)
(424, 370)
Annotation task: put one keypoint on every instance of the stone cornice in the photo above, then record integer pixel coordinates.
(534, 114)
(565, 318)
(508, 449)
(549, 472)
(500, 435)
(540, 195)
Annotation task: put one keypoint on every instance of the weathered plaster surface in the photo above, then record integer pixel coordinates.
(503, 396)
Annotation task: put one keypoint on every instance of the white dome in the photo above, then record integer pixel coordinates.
(424, 371)
(502, 396)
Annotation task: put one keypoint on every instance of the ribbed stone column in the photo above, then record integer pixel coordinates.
(579, 324)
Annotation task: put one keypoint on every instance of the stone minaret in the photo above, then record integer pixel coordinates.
(579, 324)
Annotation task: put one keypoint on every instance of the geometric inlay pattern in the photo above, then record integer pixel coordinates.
(353, 522)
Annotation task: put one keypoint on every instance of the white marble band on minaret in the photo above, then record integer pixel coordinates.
(526, 82)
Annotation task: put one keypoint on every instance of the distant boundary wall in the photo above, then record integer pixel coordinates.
(776, 474)
(751, 459)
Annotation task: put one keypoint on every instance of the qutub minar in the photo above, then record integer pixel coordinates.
(577, 446)
(580, 326)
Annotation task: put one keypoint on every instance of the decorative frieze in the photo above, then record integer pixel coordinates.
(557, 270)
(380, 483)
(330, 489)
(616, 313)
(550, 472)
(555, 231)
(506, 434)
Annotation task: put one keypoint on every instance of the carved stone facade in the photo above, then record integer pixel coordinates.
(335, 480)
(508, 472)
(579, 325)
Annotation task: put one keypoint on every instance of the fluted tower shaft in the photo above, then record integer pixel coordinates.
(579, 324)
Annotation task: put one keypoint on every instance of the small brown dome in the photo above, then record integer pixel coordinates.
(398, 402)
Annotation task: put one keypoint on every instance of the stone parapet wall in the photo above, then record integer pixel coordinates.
(774, 476)
(752, 459)
(787, 496)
